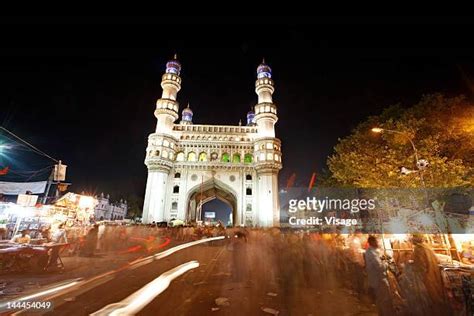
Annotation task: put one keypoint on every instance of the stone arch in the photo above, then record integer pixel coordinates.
(225, 157)
(192, 156)
(180, 156)
(203, 156)
(208, 191)
(248, 158)
(236, 158)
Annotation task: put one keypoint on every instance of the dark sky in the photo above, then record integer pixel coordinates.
(85, 92)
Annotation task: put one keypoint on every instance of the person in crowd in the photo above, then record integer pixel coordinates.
(356, 262)
(425, 266)
(91, 241)
(239, 256)
(100, 237)
(379, 287)
(59, 236)
(22, 238)
(46, 234)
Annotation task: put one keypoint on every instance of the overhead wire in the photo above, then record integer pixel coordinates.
(38, 151)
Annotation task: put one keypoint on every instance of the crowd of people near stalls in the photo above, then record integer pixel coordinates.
(41, 250)
(412, 284)
(22, 253)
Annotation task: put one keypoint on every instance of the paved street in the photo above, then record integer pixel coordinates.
(194, 293)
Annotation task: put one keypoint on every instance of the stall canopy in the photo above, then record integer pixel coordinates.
(15, 188)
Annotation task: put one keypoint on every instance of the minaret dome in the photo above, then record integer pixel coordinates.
(187, 116)
(250, 117)
(263, 70)
(173, 66)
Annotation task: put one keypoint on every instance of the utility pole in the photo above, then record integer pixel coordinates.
(57, 175)
(48, 186)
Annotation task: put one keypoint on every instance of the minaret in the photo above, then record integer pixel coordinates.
(187, 116)
(251, 118)
(161, 148)
(265, 110)
(267, 150)
(167, 107)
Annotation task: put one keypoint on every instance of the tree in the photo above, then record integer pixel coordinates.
(442, 130)
(135, 205)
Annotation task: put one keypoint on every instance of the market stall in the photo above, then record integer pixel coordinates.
(36, 236)
(453, 251)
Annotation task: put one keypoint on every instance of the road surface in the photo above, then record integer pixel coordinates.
(216, 288)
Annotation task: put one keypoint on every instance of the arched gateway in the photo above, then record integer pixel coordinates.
(201, 202)
(216, 166)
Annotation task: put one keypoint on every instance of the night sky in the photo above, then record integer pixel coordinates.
(85, 92)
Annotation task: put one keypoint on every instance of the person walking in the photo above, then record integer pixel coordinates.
(239, 256)
(425, 267)
(379, 286)
(91, 241)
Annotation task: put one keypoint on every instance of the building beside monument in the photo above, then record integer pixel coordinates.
(193, 167)
(106, 209)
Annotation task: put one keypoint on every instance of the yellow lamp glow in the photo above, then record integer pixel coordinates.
(86, 202)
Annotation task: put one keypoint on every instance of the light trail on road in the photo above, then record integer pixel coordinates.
(140, 262)
(141, 298)
(81, 284)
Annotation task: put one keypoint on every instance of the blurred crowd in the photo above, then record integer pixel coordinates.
(297, 261)
(412, 284)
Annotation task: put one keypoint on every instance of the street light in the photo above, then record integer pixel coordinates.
(377, 130)
(382, 130)
(421, 164)
(3, 147)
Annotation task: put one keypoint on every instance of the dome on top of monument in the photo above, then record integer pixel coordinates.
(251, 117)
(263, 70)
(187, 111)
(173, 66)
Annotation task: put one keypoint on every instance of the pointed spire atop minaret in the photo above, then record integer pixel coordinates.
(187, 115)
(173, 65)
(240, 122)
(263, 60)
